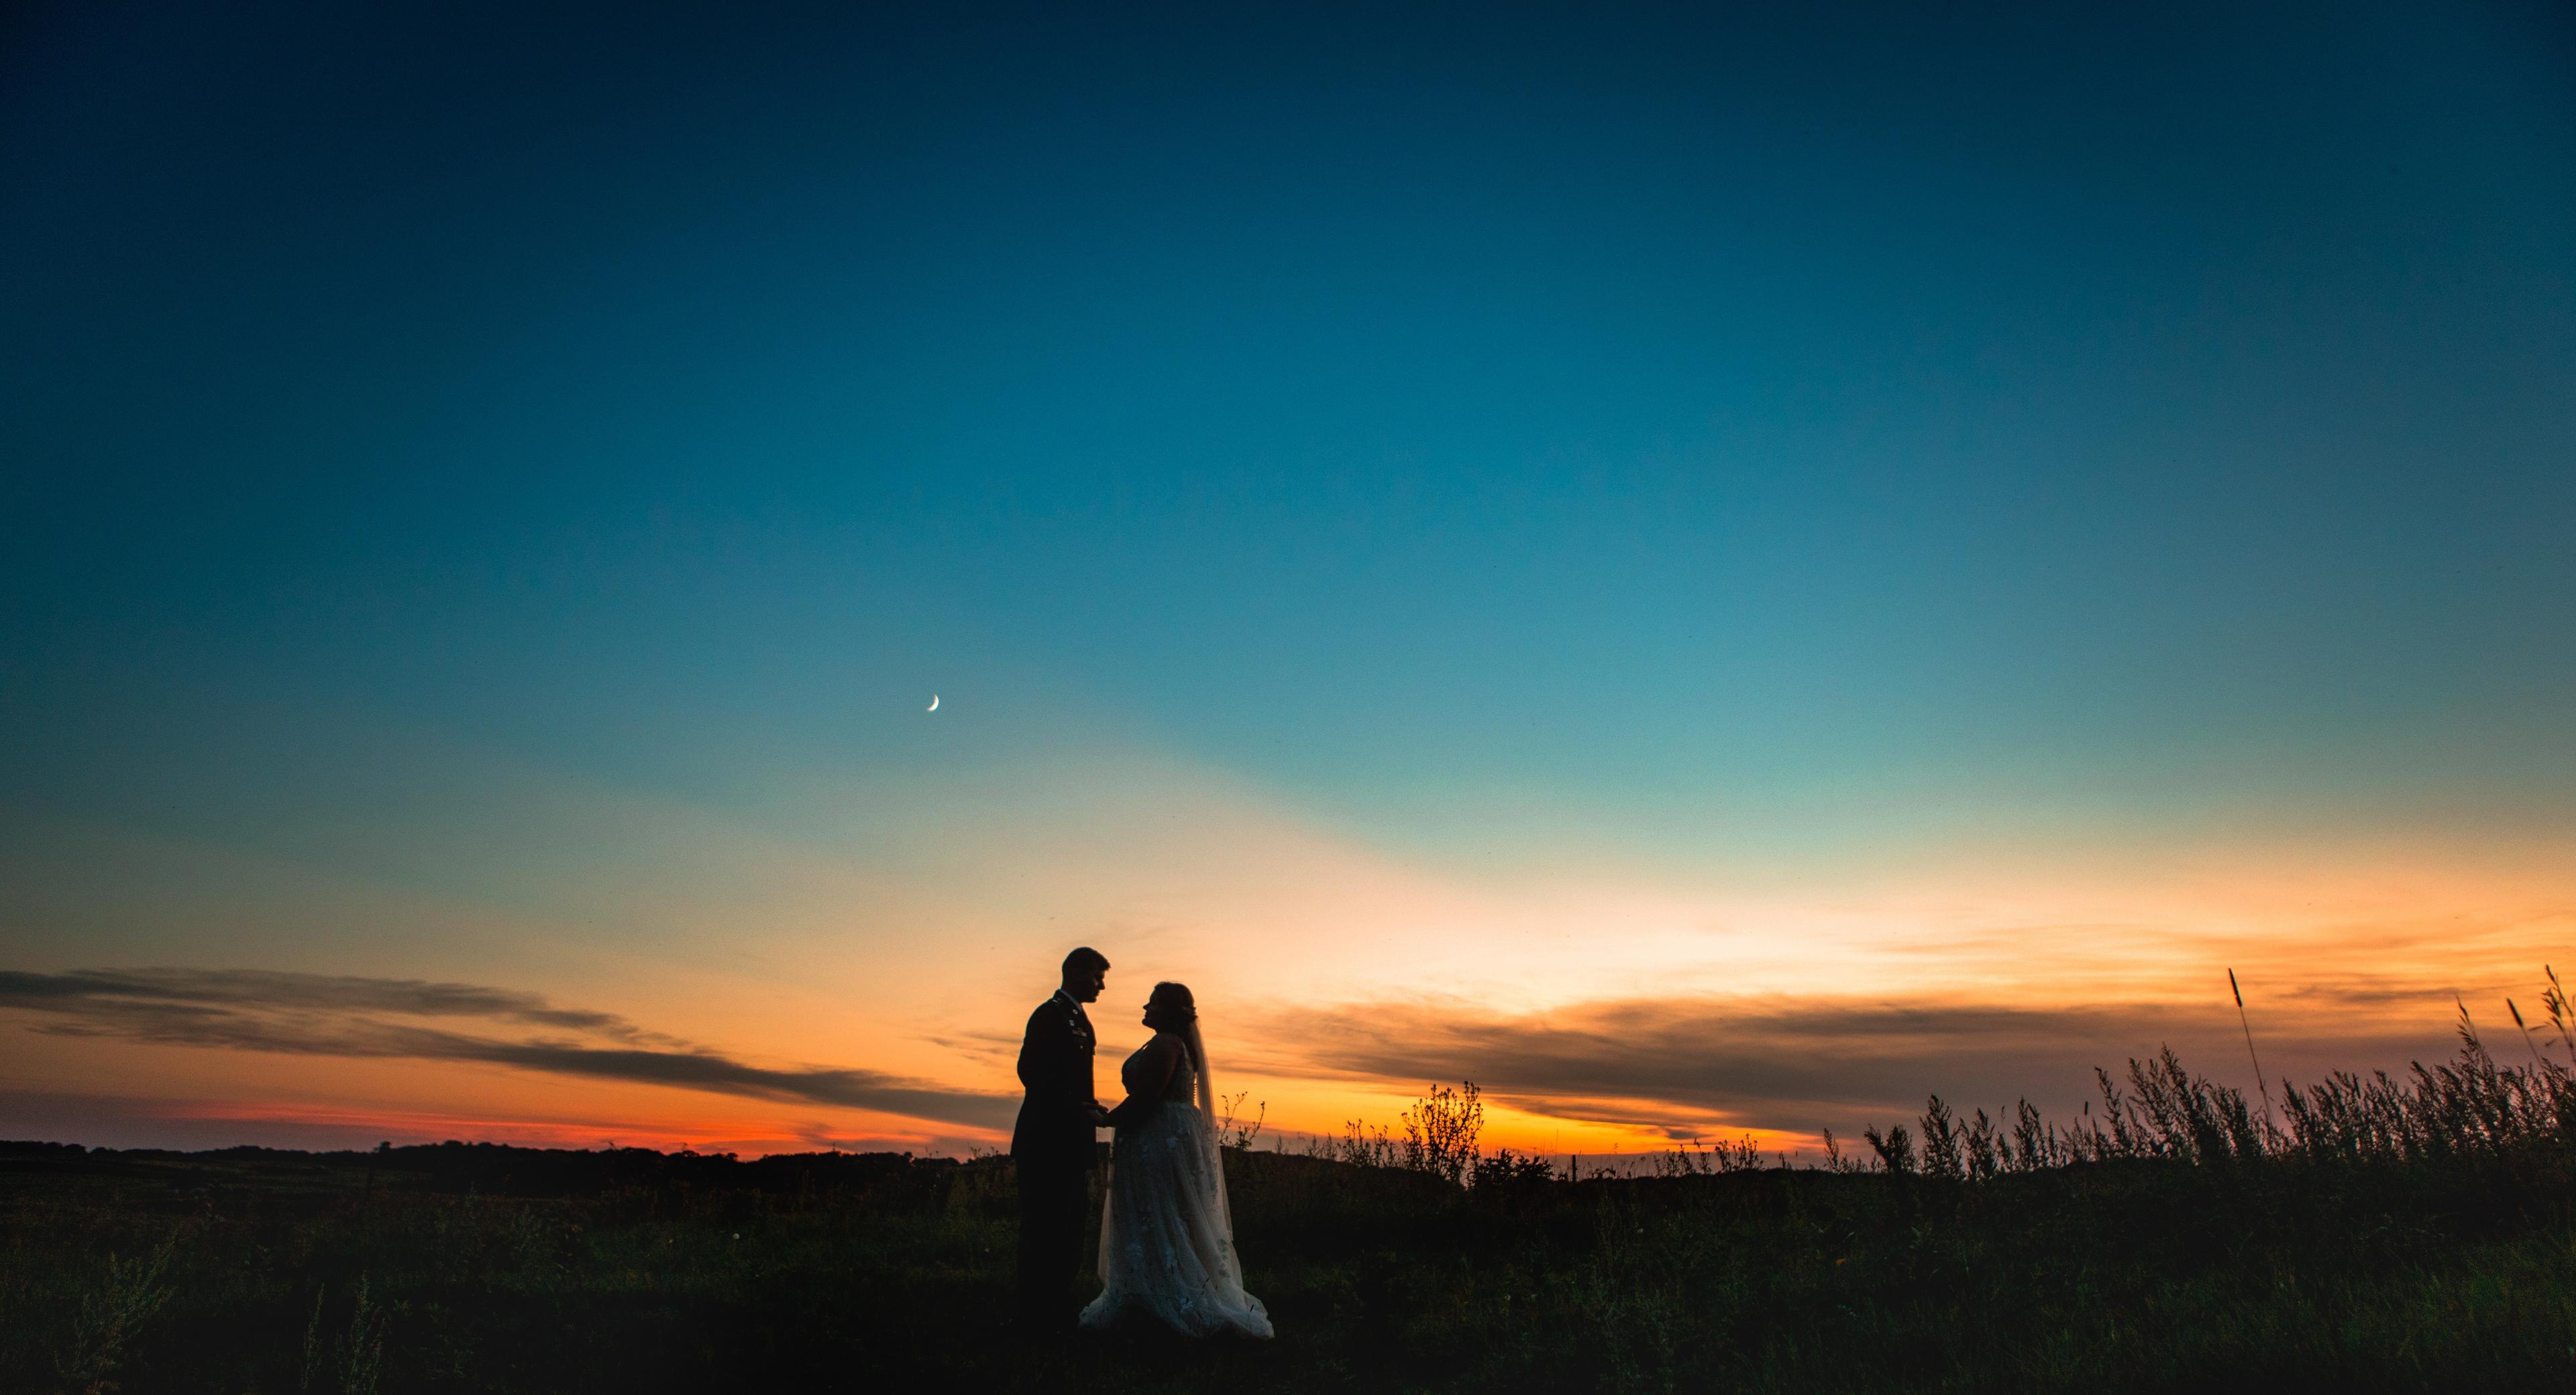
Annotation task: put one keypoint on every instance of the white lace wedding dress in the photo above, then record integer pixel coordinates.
(1166, 1237)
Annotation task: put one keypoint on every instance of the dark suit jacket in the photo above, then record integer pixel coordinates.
(1055, 1127)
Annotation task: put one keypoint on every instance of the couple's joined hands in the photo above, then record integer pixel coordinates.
(1129, 1113)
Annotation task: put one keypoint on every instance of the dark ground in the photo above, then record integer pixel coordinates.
(481, 1268)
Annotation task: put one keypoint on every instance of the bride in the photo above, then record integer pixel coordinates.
(1166, 1238)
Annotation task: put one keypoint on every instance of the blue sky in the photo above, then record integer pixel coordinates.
(1700, 438)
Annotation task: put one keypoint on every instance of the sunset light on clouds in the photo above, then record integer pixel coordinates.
(1648, 573)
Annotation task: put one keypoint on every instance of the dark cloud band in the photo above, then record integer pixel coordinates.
(1694, 1065)
(322, 1015)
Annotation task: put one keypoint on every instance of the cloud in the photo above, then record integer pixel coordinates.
(1690, 1065)
(320, 1015)
(257, 988)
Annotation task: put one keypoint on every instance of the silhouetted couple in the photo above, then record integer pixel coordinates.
(1166, 1238)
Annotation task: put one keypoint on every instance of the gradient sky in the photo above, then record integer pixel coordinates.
(1706, 571)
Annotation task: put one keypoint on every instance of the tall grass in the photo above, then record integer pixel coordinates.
(113, 1311)
(2471, 1106)
(353, 1363)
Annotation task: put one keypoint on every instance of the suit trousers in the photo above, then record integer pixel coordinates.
(1054, 1197)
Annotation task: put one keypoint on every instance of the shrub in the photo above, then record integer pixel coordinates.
(1440, 1132)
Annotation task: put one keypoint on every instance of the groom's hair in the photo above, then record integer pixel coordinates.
(1084, 959)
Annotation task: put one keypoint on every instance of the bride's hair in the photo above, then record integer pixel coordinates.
(1175, 998)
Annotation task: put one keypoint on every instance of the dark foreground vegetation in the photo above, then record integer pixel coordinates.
(2384, 1234)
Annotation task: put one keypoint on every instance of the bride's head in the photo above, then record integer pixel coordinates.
(1170, 1008)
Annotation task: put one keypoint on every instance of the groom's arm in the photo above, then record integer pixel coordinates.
(1050, 1065)
(1032, 1067)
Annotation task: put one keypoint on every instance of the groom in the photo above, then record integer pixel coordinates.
(1053, 1142)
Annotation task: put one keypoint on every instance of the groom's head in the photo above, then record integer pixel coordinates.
(1086, 972)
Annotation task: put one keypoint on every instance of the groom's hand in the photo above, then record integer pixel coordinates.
(1099, 1117)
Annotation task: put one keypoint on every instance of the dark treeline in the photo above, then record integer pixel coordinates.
(498, 1169)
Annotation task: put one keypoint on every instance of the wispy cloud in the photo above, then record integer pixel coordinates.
(321, 1015)
(1689, 1065)
(260, 989)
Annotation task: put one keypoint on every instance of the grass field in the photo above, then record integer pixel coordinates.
(2415, 1234)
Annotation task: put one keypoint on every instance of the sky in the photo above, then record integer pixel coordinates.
(1710, 571)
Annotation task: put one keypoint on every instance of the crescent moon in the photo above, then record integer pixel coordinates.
(934, 703)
